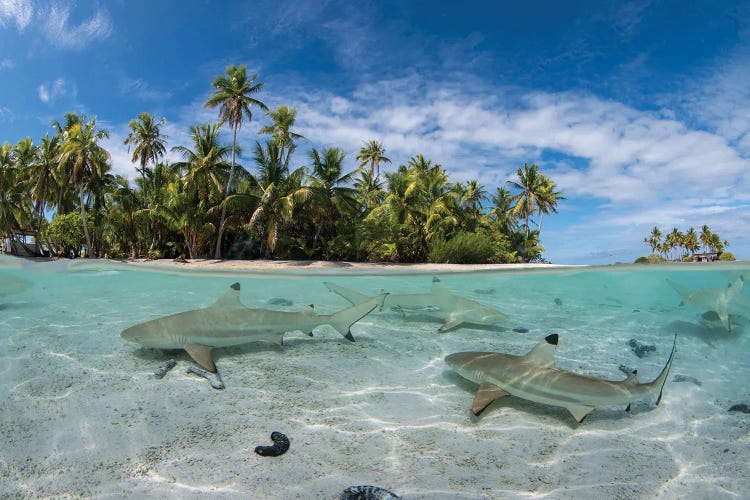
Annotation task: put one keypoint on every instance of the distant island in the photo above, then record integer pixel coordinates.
(207, 205)
(685, 246)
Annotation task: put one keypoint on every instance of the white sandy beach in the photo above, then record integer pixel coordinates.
(81, 414)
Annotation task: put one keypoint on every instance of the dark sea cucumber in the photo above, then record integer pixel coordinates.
(744, 408)
(163, 368)
(280, 445)
(367, 493)
(641, 349)
(214, 378)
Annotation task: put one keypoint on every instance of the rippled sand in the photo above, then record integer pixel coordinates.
(81, 413)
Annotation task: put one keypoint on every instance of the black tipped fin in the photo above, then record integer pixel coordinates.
(628, 408)
(349, 336)
(552, 339)
(235, 286)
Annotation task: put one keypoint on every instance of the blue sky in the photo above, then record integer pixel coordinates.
(640, 111)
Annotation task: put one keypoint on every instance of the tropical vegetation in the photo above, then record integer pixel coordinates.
(677, 245)
(284, 206)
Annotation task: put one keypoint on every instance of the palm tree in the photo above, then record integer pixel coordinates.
(691, 241)
(205, 167)
(372, 153)
(279, 192)
(531, 187)
(283, 119)
(369, 191)
(673, 241)
(654, 239)
(233, 93)
(13, 207)
(705, 238)
(147, 141)
(502, 212)
(44, 179)
(548, 198)
(66, 195)
(82, 151)
(332, 199)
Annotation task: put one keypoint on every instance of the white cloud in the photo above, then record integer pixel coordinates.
(620, 154)
(141, 89)
(19, 11)
(5, 64)
(6, 115)
(50, 91)
(62, 34)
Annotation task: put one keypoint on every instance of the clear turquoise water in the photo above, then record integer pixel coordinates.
(82, 415)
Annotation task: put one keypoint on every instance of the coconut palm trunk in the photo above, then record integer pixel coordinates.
(89, 248)
(220, 236)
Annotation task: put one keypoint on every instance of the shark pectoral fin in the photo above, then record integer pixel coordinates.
(202, 355)
(543, 353)
(486, 394)
(279, 340)
(450, 324)
(579, 412)
(308, 311)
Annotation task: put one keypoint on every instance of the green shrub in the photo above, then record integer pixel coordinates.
(726, 256)
(462, 248)
(65, 233)
(641, 260)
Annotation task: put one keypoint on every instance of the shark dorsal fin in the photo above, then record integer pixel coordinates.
(544, 352)
(632, 378)
(230, 298)
(439, 289)
(308, 311)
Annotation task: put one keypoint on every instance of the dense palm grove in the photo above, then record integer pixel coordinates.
(207, 205)
(678, 245)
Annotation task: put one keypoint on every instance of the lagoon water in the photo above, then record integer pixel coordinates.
(82, 415)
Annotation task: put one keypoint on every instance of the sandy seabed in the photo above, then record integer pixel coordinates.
(84, 416)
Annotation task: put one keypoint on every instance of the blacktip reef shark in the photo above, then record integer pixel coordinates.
(439, 303)
(228, 323)
(723, 301)
(534, 377)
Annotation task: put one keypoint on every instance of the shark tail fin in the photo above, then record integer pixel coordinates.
(350, 295)
(343, 320)
(662, 378)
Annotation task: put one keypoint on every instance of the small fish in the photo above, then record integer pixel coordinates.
(279, 447)
(485, 291)
(367, 493)
(687, 378)
(558, 301)
(520, 329)
(744, 408)
(214, 378)
(164, 368)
